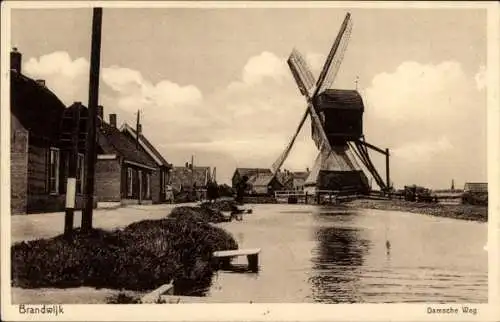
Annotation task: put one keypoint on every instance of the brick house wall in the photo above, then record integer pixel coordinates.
(108, 180)
(19, 170)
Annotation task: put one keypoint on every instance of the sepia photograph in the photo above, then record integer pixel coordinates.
(250, 153)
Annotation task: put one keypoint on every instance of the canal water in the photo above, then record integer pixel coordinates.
(342, 255)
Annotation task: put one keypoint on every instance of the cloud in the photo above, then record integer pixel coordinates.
(480, 78)
(265, 65)
(316, 62)
(131, 86)
(65, 76)
(432, 117)
(417, 91)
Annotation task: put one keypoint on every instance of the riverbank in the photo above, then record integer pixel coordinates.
(463, 212)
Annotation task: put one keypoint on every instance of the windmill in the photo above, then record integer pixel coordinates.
(336, 124)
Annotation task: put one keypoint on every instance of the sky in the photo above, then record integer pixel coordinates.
(214, 83)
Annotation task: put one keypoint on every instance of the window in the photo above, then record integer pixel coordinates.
(80, 172)
(130, 182)
(53, 173)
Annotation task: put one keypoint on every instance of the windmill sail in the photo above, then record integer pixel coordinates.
(278, 163)
(305, 81)
(333, 69)
(335, 56)
(301, 72)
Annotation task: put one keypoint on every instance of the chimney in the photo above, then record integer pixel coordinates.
(307, 169)
(112, 120)
(187, 165)
(41, 82)
(15, 60)
(100, 111)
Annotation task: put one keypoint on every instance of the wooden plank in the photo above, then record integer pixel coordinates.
(238, 252)
(153, 296)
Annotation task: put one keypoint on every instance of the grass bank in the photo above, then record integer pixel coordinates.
(464, 212)
(141, 257)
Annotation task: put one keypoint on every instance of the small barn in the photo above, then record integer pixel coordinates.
(240, 173)
(263, 184)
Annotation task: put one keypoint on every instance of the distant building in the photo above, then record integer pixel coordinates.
(39, 163)
(239, 173)
(189, 178)
(475, 193)
(263, 184)
(292, 180)
(299, 179)
(476, 187)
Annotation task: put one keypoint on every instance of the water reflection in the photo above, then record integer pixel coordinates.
(336, 259)
(339, 255)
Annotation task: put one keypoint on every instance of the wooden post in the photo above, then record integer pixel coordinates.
(95, 60)
(72, 169)
(387, 168)
(253, 262)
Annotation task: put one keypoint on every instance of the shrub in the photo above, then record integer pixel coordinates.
(122, 298)
(198, 214)
(142, 256)
(221, 205)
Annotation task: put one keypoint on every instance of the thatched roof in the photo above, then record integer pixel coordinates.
(36, 107)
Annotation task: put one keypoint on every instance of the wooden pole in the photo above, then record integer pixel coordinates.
(387, 169)
(95, 60)
(72, 169)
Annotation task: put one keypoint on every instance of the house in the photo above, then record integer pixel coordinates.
(476, 187)
(475, 193)
(188, 177)
(160, 182)
(263, 184)
(239, 173)
(299, 179)
(124, 173)
(39, 162)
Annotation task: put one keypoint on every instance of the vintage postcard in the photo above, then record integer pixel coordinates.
(230, 161)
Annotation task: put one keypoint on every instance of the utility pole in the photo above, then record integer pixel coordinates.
(138, 128)
(95, 62)
(72, 169)
(192, 177)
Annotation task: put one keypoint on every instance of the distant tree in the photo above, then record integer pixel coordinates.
(225, 191)
(212, 191)
(241, 187)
